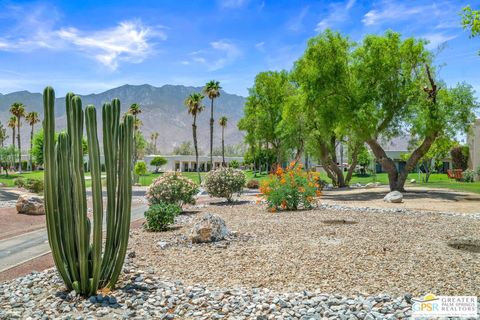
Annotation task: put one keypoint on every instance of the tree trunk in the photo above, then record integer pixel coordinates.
(13, 137)
(19, 147)
(299, 153)
(386, 163)
(31, 146)
(328, 160)
(354, 159)
(211, 134)
(223, 147)
(194, 130)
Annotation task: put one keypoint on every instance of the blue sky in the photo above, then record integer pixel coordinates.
(91, 46)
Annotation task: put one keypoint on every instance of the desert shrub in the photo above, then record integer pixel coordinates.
(173, 188)
(460, 157)
(468, 175)
(234, 164)
(140, 168)
(253, 184)
(160, 215)
(34, 185)
(290, 189)
(224, 182)
(19, 182)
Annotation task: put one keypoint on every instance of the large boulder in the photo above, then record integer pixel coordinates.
(370, 185)
(394, 197)
(209, 228)
(30, 204)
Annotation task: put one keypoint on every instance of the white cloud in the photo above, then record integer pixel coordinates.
(437, 39)
(220, 53)
(232, 4)
(296, 24)
(129, 41)
(440, 14)
(260, 46)
(337, 13)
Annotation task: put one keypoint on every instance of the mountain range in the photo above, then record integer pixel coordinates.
(163, 111)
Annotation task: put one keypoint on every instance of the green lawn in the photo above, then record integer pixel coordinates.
(436, 180)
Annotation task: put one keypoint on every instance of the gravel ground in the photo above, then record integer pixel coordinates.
(379, 252)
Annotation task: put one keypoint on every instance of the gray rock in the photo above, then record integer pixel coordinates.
(394, 197)
(209, 228)
(370, 185)
(30, 204)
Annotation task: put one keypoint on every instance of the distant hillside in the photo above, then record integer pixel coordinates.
(162, 111)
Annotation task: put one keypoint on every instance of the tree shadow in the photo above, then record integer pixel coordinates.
(232, 203)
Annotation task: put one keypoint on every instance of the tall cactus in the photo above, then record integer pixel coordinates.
(79, 261)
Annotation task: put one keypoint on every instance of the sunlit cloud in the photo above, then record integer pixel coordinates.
(337, 14)
(220, 54)
(232, 4)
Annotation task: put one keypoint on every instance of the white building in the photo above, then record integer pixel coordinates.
(473, 141)
(185, 163)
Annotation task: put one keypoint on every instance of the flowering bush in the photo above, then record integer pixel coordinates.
(224, 182)
(160, 215)
(172, 187)
(290, 188)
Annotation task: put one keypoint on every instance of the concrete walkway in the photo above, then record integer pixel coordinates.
(19, 249)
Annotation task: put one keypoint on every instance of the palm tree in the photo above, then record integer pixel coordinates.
(154, 137)
(223, 123)
(12, 123)
(135, 110)
(212, 90)
(194, 105)
(18, 110)
(32, 119)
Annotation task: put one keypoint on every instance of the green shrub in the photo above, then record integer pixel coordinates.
(140, 168)
(160, 215)
(469, 175)
(172, 187)
(234, 164)
(34, 185)
(460, 156)
(253, 184)
(224, 182)
(19, 182)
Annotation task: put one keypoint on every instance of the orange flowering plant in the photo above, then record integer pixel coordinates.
(291, 188)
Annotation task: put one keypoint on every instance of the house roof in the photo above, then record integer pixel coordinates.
(396, 144)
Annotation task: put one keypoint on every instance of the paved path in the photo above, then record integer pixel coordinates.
(27, 246)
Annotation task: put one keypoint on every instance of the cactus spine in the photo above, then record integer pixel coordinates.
(79, 262)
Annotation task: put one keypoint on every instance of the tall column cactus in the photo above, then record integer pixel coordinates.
(79, 261)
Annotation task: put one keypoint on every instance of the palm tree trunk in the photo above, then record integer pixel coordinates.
(194, 130)
(13, 137)
(19, 147)
(223, 147)
(211, 135)
(31, 146)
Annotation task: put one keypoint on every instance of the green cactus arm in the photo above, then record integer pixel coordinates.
(124, 193)
(50, 176)
(95, 172)
(79, 197)
(68, 231)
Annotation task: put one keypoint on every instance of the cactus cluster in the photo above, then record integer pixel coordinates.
(79, 258)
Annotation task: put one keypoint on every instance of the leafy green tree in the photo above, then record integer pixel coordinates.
(37, 146)
(17, 109)
(140, 145)
(3, 135)
(223, 123)
(194, 106)
(32, 119)
(152, 148)
(185, 149)
(264, 108)
(395, 90)
(471, 21)
(212, 91)
(7, 157)
(324, 77)
(158, 162)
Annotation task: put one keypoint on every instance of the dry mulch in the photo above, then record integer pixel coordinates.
(291, 251)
